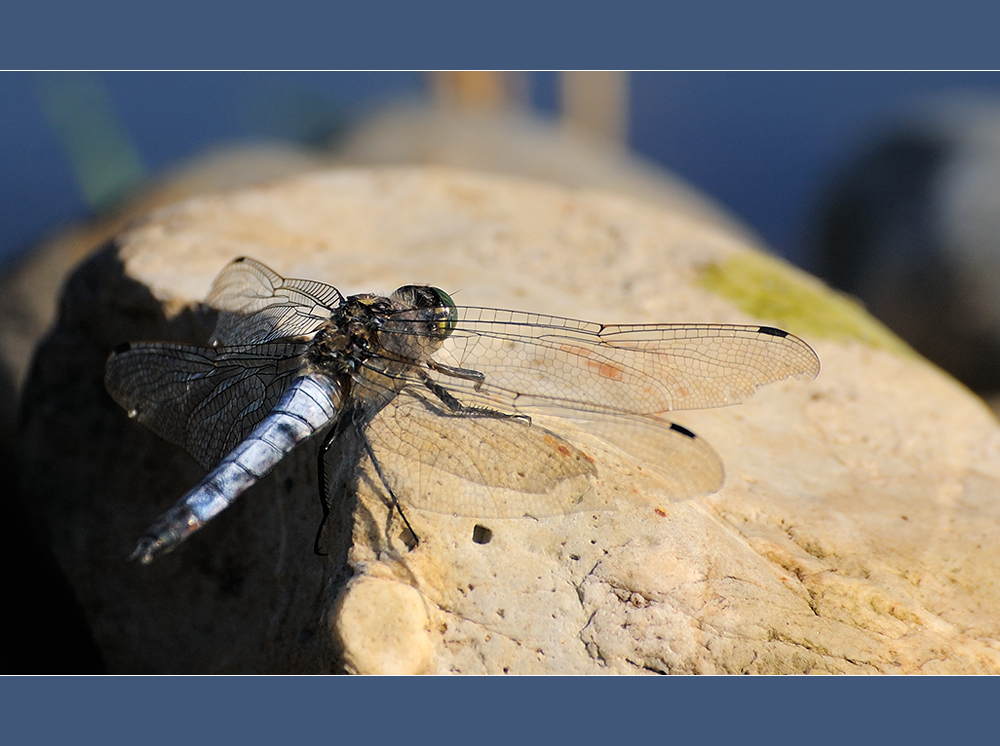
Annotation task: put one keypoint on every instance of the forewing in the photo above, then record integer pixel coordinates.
(549, 365)
(257, 305)
(204, 400)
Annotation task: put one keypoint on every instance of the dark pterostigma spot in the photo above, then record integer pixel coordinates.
(772, 331)
(481, 534)
(682, 430)
(123, 347)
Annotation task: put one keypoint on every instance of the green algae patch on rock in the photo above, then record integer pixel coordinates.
(767, 288)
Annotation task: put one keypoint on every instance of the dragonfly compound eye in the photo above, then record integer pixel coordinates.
(443, 314)
(448, 314)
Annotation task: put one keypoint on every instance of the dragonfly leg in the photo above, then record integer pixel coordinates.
(461, 410)
(465, 373)
(323, 480)
(388, 488)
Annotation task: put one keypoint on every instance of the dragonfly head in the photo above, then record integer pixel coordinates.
(428, 304)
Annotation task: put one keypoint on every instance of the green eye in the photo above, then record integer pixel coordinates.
(449, 318)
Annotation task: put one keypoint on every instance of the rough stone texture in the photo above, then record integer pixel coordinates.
(857, 531)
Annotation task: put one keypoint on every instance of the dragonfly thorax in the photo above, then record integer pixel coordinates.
(350, 336)
(384, 333)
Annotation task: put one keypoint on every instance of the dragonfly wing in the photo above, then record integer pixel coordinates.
(479, 465)
(204, 400)
(686, 462)
(257, 305)
(550, 365)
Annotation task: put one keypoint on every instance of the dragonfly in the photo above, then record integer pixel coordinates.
(432, 388)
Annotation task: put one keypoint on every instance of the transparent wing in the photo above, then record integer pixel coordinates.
(257, 305)
(204, 400)
(549, 365)
(475, 465)
(512, 466)
(689, 465)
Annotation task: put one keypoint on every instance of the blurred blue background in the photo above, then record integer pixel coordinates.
(762, 144)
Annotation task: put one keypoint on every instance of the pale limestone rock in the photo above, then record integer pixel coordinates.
(857, 531)
(369, 645)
